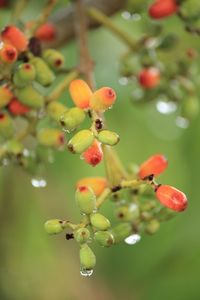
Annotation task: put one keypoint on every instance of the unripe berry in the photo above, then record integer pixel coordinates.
(171, 197)
(72, 118)
(108, 137)
(97, 184)
(163, 8)
(46, 32)
(30, 97)
(54, 226)
(8, 53)
(82, 235)
(44, 75)
(24, 74)
(102, 99)
(80, 93)
(104, 238)
(87, 258)
(85, 199)
(149, 77)
(121, 231)
(99, 221)
(14, 147)
(127, 212)
(55, 110)
(190, 108)
(5, 96)
(50, 137)
(14, 36)
(53, 58)
(81, 141)
(6, 125)
(94, 154)
(155, 165)
(152, 227)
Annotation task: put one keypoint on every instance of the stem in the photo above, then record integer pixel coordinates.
(101, 199)
(18, 9)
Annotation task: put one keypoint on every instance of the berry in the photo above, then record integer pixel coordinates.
(6, 125)
(14, 36)
(104, 238)
(171, 197)
(121, 231)
(152, 227)
(155, 165)
(82, 235)
(72, 118)
(55, 110)
(85, 199)
(14, 147)
(127, 213)
(99, 221)
(5, 96)
(97, 184)
(87, 258)
(108, 137)
(46, 32)
(80, 93)
(16, 108)
(50, 137)
(94, 154)
(54, 226)
(24, 74)
(4, 3)
(30, 97)
(8, 53)
(81, 141)
(53, 58)
(102, 99)
(163, 8)
(149, 77)
(44, 75)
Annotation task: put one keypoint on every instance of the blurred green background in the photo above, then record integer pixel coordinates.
(164, 266)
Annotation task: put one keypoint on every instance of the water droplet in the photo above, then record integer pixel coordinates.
(133, 207)
(38, 182)
(26, 152)
(126, 15)
(166, 108)
(182, 122)
(136, 17)
(5, 162)
(65, 130)
(86, 273)
(123, 80)
(132, 239)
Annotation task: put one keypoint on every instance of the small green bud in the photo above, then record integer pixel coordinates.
(190, 108)
(54, 226)
(6, 125)
(44, 75)
(99, 221)
(104, 238)
(85, 199)
(53, 58)
(108, 137)
(50, 137)
(72, 118)
(14, 147)
(55, 110)
(24, 74)
(82, 235)
(153, 226)
(81, 141)
(87, 257)
(121, 231)
(127, 212)
(30, 97)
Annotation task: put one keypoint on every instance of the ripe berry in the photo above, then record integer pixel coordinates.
(149, 77)
(8, 53)
(46, 32)
(155, 165)
(94, 154)
(16, 108)
(14, 36)
(163, 8)
(102, 99)
(171, 197)
(5, 96)
(85, 199)
(80, 93)
(97, 184)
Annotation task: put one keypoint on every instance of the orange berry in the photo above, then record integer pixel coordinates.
(94, 154)
(163, 8)
(97, 184)
(102, 99)
(155, 165)
(46, 32)
(17, 108)
(80, 93)
(171, 197)
(5, 96)
(8, 53)
(149, 77)
(14, 36)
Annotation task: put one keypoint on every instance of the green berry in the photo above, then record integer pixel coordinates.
(87, 257)
(108, 137)
(55, 110)
(121, 231)
(99, 221)
(24, 74)
(190, 108)
(85, 199)
(72, 118)
(54, 226)
(104, 238)
(82, 235)
(50, 137)
(14, 147)
(153, 226)
(81, 141)
(6, 125)
(30, 97)
(53, 58)
(44, 75)
(127, 212)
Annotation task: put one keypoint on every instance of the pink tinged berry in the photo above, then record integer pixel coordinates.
(80, 93)
(46, 32)
(171, 197)
(149, 77)
(163, 8)
(94, 154)
(155, 165)
(102, 99)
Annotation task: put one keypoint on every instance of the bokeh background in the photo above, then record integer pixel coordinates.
(165, 266)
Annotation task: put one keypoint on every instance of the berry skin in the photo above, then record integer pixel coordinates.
(99, 221)
(54, 226)
(155, 165)
(149, 77)
(14, 36)
(16, 108)
(104, 238)
(102, 99)
(24, 74)
(152, 227)
(82, 235)
(30, 97)
(8, 53)
(72, 118)
(55, 110)
(171, 197)
(121, 231)
(87, 258)
(85, 199)
(50, 137)
(80, 93)
(97, 184)
(46, 32)
(94, 154)
(163, 8)
(5, 96)
(44, 75)
(53, 58)
(81, 141)
(14, 147)
(6, 125)
(108, 137)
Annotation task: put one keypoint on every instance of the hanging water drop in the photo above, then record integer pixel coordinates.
(86, 273)
(132, 239)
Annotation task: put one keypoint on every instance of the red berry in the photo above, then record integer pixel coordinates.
(46, 32)
(3, 3)
(171, 197)
(94, 154)
(14, 36)
(102, 99)
(8, 53)
(163, 8)
(149, 77)
(17, 108)
(155, 165)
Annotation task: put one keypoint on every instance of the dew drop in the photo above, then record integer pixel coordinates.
(123, 80)
(166, 108)
(86, 273)
(182, 122)
(132, 239)
(5, 162)
(126, 15)
(38, 182)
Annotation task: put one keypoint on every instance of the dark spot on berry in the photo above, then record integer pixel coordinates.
(98, 124)
(89, 114)
(120, 215)
(61, 139)
(71, 148)
(82, 188)
(27, 66)
(10, 54)
(69, 236)
(58, 62)
(116, 188)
